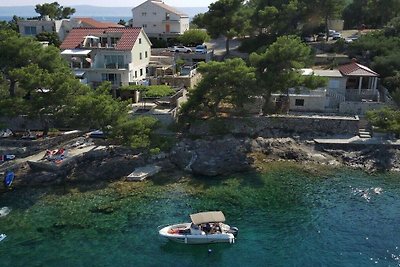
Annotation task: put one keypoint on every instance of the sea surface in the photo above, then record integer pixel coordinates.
(286, 216)
(98, 18)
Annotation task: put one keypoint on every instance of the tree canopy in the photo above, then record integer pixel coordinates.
(222, 18)
(54, 11)
(278, 68)
(193, 37)
(228, 83)
(372, 13)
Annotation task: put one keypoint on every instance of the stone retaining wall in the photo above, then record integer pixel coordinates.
(278, 125)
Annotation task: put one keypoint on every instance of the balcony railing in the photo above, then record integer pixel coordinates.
(80, 65)
(116, 66)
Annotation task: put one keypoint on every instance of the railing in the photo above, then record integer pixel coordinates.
(115, 66)
(305, 91)
(338, 96)
(363, 94)
(80, 65)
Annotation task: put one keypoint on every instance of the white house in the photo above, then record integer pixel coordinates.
(351, 89)
(118, 55)
(159, 20)
(61, 27)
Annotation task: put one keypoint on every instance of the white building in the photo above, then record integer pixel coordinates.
(159, 20)
(118, 55)
(351, 89)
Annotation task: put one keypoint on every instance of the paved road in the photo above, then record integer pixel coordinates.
(218, 45)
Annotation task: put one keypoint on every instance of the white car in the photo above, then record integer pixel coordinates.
(180, 48)
(336, 36)
(201, 49)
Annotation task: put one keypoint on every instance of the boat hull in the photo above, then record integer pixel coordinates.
(188, 238)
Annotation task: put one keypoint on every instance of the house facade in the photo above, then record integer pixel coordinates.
(351, 89)
(117, 55)
(159, 19)
(61, 27)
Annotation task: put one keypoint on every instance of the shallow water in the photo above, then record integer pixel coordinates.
(286, 217)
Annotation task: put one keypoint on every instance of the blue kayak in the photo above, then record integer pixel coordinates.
(8, 179)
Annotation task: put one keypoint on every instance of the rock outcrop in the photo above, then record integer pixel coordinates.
(211, 157)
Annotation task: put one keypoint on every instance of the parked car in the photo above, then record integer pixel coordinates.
(180, 48)
(350, 39)
(331, 33)
(309, 38)
(336, 36)
(201, 49)
(321, 37)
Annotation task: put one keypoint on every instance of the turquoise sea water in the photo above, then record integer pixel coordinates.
(286, 217)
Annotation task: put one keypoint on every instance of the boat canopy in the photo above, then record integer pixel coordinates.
(207, 217)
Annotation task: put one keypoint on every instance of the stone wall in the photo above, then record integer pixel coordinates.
(278, 125)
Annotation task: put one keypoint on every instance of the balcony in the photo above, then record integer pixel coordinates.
(80, 65)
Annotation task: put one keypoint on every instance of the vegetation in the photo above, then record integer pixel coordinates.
(278, 67)
(152, 90)
(223, 18)
(136, 133)
(229, 83)
(36, 81)
(372, 13)
(51, 37)
(158, 43)
(54, 11)
(386, 119)
(380, 50)
(193, 37)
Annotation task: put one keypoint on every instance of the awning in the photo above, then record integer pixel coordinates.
(79, 73)
(76, 52)
(92, 37)
(209, 216)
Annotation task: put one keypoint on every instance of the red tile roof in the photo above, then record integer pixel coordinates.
(355, 69)
(77, 35)
(91, 23)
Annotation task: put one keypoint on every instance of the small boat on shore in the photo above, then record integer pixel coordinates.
(8, 179)
(205, 228)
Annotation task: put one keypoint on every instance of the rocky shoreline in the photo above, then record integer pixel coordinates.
(213, 157)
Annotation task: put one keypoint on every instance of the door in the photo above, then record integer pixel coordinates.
(167, 28)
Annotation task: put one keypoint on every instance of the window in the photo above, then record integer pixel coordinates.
(114, 61)
(140, 40)
(145, 54)
(144, 14)
(30, 30)
(135, 73)
(144, 25)
(167, 16)
(140, 55)
(154, 25)
(299, 102)
(111, 77)
(141, 72)
(155, 13)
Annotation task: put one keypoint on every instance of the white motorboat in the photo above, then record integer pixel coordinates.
(206, 227)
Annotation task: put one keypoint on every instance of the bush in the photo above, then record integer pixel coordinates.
(158, 43)
(193, 37)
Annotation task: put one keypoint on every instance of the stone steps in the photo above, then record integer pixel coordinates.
(363, 133)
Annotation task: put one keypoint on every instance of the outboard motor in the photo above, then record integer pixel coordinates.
(234, 231)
